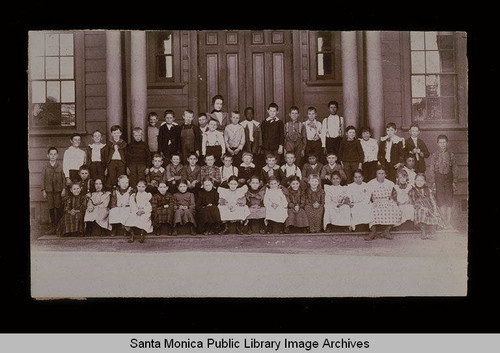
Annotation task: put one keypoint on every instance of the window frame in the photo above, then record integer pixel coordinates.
(163, 82)
(461, 89)
(79, 72)
(336, 79)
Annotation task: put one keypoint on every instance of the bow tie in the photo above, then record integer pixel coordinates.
(312, 124)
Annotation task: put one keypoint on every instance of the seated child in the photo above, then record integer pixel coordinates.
(313, 167)
(156, 175)
(192, 173)
(337, 204)
(232, 204)
(209, 170)
(227, 170)
(208, 213)
(290, 169)
(184, 207)
(71, 223)
(97, 214)
(140, 213)
(314, 203)
(361, 207)
(162, 205)
(270, 169)
(402, 188)
(295, 196)
(255, 202)
(330, 167)
(173, 172)
(410, 169)
(276, 206)
(246, 169)
(119, 206)
(427, 214)
(86, 183)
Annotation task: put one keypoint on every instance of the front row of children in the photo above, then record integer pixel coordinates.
(275, 205)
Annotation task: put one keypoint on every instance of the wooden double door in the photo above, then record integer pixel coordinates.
(248, 68)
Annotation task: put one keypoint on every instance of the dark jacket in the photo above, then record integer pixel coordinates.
(138, 153)
(197, 136)
(397, 153)
(351, 151)
(164, 136)
(110, 150)
(273, 134)
(257, 139)
(420, 163)
(53, 179)
(226, 120)
(88, 150)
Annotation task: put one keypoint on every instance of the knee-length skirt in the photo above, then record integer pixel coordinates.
(208, 215)
(386, 212)
(297, 218)
(315, 218)
(184, 216)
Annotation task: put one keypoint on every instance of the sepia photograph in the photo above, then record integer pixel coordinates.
(247, 163)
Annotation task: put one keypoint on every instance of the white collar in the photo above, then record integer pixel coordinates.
(250, 165)
(395, 139)
(289, 166)
(161, 169)
(272, 119)
(333, 116)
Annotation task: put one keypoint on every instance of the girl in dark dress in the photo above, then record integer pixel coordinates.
(163, 204)
(71, 222)
(295, 196)
(207, 210)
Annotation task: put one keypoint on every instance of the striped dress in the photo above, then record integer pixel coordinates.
(315, 215)
(163, 209)
(73, 223)
(426, 208)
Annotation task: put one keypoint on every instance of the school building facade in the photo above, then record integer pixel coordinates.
(80, 81)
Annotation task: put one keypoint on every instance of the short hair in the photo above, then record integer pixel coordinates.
(415, 125)
(52, 148)
(247, 154)
(74, 182)
(409, 156)
(183, 181)
(115, 128)
(391, 124)
(207, 178)
(151, 114)
(96, 130)
(273, 105)
(192, 154)
(360, 171)
(235, 112)
(331, 153)
(188, 111)
(381, 167)
(365, 129)
(209, 155)
(175, 154)
(314, 176)
(202, 114)
(293, 178)
(249, 108)
(421, 175)
(73, 135)
(255, 176)
(350, 127)
(311, 109)
(163, 182)
(337, 173)
(272, 178)
(290, 152)
(141, 181)
(270, 155)
(402, 172)
(168, 111)
(227, 155)
(312, 154)
(84, 167)
(135, 129)
(442, 137)
(123, 176)
(157, 155)
(335, 103)
(294, 107)
(217, 96)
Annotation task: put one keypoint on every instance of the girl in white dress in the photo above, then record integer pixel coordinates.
(403, 199)
(97, 213)
(276, 206)
(337, 201)
(140, 212)
(361, 207)
(119, 208)
(232, 204)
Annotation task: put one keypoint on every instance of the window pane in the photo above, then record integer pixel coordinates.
(46, 114)
(66, 41)
(165, 66)
(417, 40)
(320, 43)
(418, 109)
(67, 91)
(321, 67)
(38, 92)
(432, 88)
(445, 41)
(165, 43)
(168, 66)
(325, 64)
(52, 44)
(434, 109)
(418, 62)
(53, 91)
(447, 61)
(448, 86)
(51, 68)
(431, 41)
(37, 68)
(432, 62)
(66, 67)
(36, 44)
(448, 107)
(68, 115)
(418, 86)
(324, 41)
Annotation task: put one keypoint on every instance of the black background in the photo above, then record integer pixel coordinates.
(478, 312)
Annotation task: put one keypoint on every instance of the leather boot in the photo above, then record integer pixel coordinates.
(141, 236)
(372, 235)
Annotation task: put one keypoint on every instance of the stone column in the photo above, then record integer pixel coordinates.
(138, 79)
(374, 83)
(350, 78)
(113, 79)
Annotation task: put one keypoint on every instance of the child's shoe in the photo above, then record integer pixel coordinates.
(141, 237)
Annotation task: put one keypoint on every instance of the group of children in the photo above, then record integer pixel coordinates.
(223, 171)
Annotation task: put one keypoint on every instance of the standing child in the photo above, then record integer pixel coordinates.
(361, 207)
(295, 136)
(190, 137)
(173, 172)
(74, 157)
(391, 151)
(332, 166)
(417, 148)
(410, 169)
(290, 169)
(255, 201)
(313, 134)
(443, 175)
(228, 169)
(234, 137)
(153, 132)
(276, 206)
(384, 208)
(138, 157)
(213, 143)
(71, 223)
(370, 153)
(295, 196)
(97, 214)
(203, 122)
(119, 206)
(192, 173)
(337, 204)
(168, 136)
(402, 188)
(95, 156)
(232, 205)
(184, 207)
(86, 183)
(140, 213)
(351, 153)
(253, 136)
(162, 205)
(427, 215)
(333, 127)
(271, 169)
(315, 204)
(246, 169)
(156, 175)
(53, 190)
(221, 117)
(313, 167)
(207, 211)
(273, 134)
(115, 153)
(209, 170)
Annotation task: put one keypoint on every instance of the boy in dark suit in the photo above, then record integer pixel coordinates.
(416, 147)
(168, 136)
(273, 133)
(391, 151)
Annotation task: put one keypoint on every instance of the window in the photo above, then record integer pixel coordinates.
(52, 79)
(325, 58)
(433, 76)
(163, 58)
